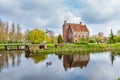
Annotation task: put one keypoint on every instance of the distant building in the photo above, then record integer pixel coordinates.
(73, 32)
(100, 34)
(101, 38)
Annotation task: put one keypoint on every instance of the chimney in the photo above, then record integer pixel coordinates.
(81, 23)
(65, 22)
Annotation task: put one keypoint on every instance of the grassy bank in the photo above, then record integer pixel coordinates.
(76, 47)
(1, 47)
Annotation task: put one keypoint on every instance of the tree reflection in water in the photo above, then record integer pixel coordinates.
(59, 56)
(113, 54)
(36, 57)
(39, 58)
(10, 58)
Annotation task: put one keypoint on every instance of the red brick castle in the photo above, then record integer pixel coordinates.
(73, 32)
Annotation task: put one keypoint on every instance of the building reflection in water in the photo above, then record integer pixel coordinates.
(10, 59)
(75, 60)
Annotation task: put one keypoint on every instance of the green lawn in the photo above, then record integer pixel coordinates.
(73, 47)
(77, 47)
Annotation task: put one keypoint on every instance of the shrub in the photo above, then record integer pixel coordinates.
(59, 40)
(92, 41)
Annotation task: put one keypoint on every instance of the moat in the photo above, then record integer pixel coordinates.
(15, 65)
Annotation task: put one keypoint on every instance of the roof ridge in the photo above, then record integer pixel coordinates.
(78, 27)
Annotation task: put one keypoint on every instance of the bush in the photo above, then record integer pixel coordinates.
(59, 40)
(83, 41)
(10, 41)
(92, 41)
(118, 79)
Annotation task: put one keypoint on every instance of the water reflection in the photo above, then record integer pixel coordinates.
(114, 54)
(27, 54)
(10, 58)
(76, 60)
(39, 58)
(18, 65)
(36, 57)
(59, 56)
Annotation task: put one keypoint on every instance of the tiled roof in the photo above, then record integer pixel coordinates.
(80, 63)
(78, 27)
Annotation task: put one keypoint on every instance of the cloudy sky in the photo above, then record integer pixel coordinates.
(98, 15)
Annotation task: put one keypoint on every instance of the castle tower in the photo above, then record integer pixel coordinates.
(65, 32)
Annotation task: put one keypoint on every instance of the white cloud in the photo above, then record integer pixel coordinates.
(67, 15)
(100, 11)
(98, 15)
(72, 18)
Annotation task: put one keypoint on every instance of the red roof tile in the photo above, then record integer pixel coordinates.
(78, 27)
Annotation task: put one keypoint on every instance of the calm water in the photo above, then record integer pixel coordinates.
(92, 66)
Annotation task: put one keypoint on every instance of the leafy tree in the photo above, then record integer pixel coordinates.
(111, 38)
(37, 36)
(92, 41)
(117, 38)
(83, 40)
(53, 39)
(59, 40)
(99, 38)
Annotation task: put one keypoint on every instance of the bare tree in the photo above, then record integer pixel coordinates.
(12, 33)
(6, 31)
(2, 37)
(18, 35)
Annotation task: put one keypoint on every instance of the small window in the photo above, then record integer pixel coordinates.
(75, 40)
(83, 36)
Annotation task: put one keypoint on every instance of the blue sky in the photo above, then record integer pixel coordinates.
(98, 15)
